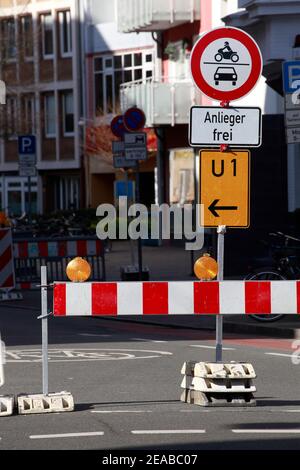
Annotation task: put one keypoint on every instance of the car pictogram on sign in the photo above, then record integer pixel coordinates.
(224, 74)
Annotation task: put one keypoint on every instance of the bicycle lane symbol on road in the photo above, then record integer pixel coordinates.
(80, 355)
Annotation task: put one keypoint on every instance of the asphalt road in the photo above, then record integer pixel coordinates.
(125, 379)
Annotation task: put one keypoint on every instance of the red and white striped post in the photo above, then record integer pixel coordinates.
(7, 272)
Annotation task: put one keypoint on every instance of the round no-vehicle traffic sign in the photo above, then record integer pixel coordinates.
(134, 119)
(226, 64)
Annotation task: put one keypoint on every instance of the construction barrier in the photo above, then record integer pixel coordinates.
(204, 384)
(7, 275)
(31, 254)
(218, 384)
(171, 298)
(6, 401)
(50, 403)
(2, 356)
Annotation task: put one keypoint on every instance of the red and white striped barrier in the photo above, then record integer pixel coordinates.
(171, 298)
(7, 274)
(29, 255)
(60, 248)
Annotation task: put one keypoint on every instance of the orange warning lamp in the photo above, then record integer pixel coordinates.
(206, 267)
(78, 270)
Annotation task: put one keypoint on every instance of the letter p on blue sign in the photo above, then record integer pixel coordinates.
(27, 144)
(291, 76)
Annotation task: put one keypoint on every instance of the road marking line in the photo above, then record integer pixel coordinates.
(195, 411)
(170, 431)
(149, 340)
(210, 347)
(92, 334)
(279, 354)
(121, 411)
(266, 431)
(72, 434)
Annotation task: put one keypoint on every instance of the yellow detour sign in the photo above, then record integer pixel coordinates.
(224, 188)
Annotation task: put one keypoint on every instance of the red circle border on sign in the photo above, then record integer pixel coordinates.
(119, 133)
(127, 113)
(231, 33)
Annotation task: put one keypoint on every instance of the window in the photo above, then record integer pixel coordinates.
(11, 116)
(68, 113)
(15, 194)
(67, 193)
(297, 41)
(47, 35)
(111, 72)
(50, 116)
(9, 39)
(179, 62)
(27, 36)
(65, 33)
(29, 115)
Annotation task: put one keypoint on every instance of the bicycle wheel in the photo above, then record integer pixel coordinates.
(267, 274)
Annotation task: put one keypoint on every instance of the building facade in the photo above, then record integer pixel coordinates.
(112, 59)
(40, 64)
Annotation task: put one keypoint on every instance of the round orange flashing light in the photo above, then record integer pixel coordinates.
(78, 270)
(206, 268)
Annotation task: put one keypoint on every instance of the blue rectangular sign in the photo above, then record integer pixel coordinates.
(27, 144)
(291, 76)
(123, 188)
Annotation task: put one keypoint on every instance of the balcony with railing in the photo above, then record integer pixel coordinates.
(163, 102)
(155, 15)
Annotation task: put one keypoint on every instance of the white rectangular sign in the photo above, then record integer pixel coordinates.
(117, 147)
(135, 139)
(27, 164)
(212, 126)
(27, 171)
(121, 162)
(292, 118)
(27, 160)
(134, 154)
(292, 135)
(135, 146)
(292, 100)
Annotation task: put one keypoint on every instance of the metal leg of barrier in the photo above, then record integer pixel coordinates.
(45, 402)
(44, 303)
(219, 318)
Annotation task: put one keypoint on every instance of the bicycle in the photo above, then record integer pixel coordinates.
(286, 266)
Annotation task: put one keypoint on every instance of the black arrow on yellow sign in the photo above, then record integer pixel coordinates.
(213, 208)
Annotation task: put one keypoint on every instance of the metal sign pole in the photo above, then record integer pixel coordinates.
(44, 318)
(29, 199)
(130, 240)
(137, 197)
(221, 230)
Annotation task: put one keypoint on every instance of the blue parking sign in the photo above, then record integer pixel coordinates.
(27, 144)
(291, 76)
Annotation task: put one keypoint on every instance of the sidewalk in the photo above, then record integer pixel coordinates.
(174, 263)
